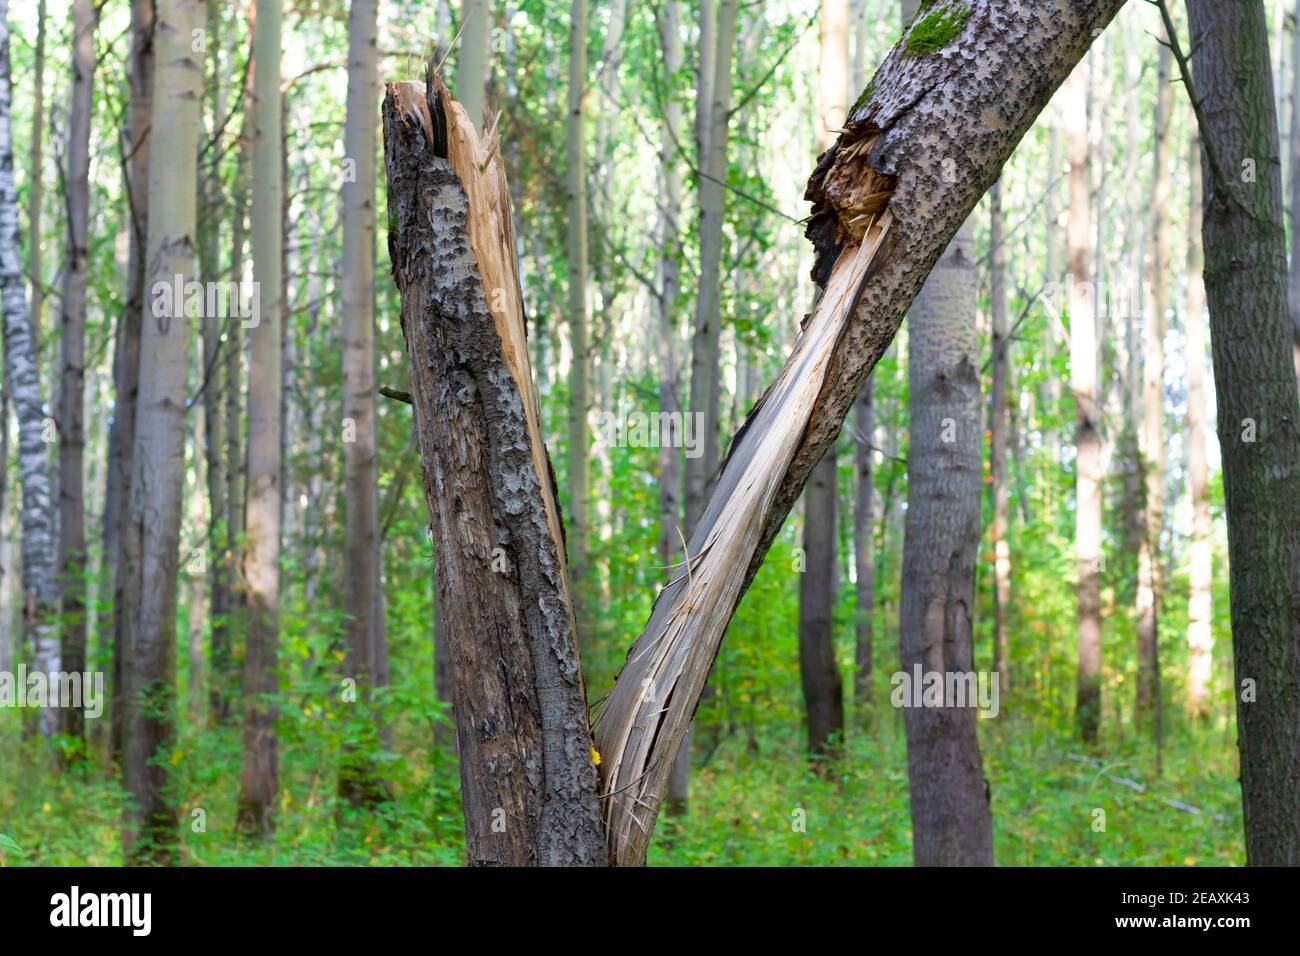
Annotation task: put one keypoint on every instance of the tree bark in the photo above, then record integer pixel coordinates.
(126, 349)
(1293, 279)
(1148, 705)
(259, 779)
(363, 599)
(1200, 607)
(576, 257)
(1087, 421)
(40, 589)
(818, 584)
(1258, 413)
(951, 822)
(151, 537)
(72, 345)
(527, 774)
(34, 189)
(705, 385)
(864, 553)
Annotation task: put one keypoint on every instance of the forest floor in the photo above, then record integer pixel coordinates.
(755, 800)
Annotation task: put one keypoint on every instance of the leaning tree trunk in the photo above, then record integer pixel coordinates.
(151, 537)
(260, 774)
(1258, 411)
(40, 590)
(1293, 281)
(575, 209)
(919, 148)
(528, 777)
(72, 348)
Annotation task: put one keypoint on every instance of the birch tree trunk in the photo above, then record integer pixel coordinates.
(1258, 411)
(363, 599)
(262, 546)
(151, 537)
(72, 344)
(126, 348)
(41, 595)
(1087, 421)
(1200, 609)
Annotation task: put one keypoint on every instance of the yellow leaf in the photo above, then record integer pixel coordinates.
(46, 808)
(595, 756)
(177, 757)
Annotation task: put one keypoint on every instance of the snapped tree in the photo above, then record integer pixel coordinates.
(919, 148)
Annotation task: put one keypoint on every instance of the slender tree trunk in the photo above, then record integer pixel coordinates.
(72, 387)
(262, 547)
(218, 540)
(1087, 435)
(819, 585)
(126, 354)
(1293, 284)
(472, 58)
(362, 597)
(705, 387)
(576, 255)
(151, 538)
(1147, 710)
(35, 269)
(40, 589)
(1200, 607)
(998, 434)
(1258, 413)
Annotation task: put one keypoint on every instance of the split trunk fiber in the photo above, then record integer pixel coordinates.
(919, 148)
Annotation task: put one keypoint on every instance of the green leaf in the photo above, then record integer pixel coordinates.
(7, 844)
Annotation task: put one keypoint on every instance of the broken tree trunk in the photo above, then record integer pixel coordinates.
(920, 147)
(527, 773)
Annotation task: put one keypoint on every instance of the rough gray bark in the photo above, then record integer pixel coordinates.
(362, 596)
(72, 362)
(151, 537)
(260, 773)
(951, 822)
(40, 589)
(527, 774)
(126, 346)
(1258, 411)
(921, 145)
